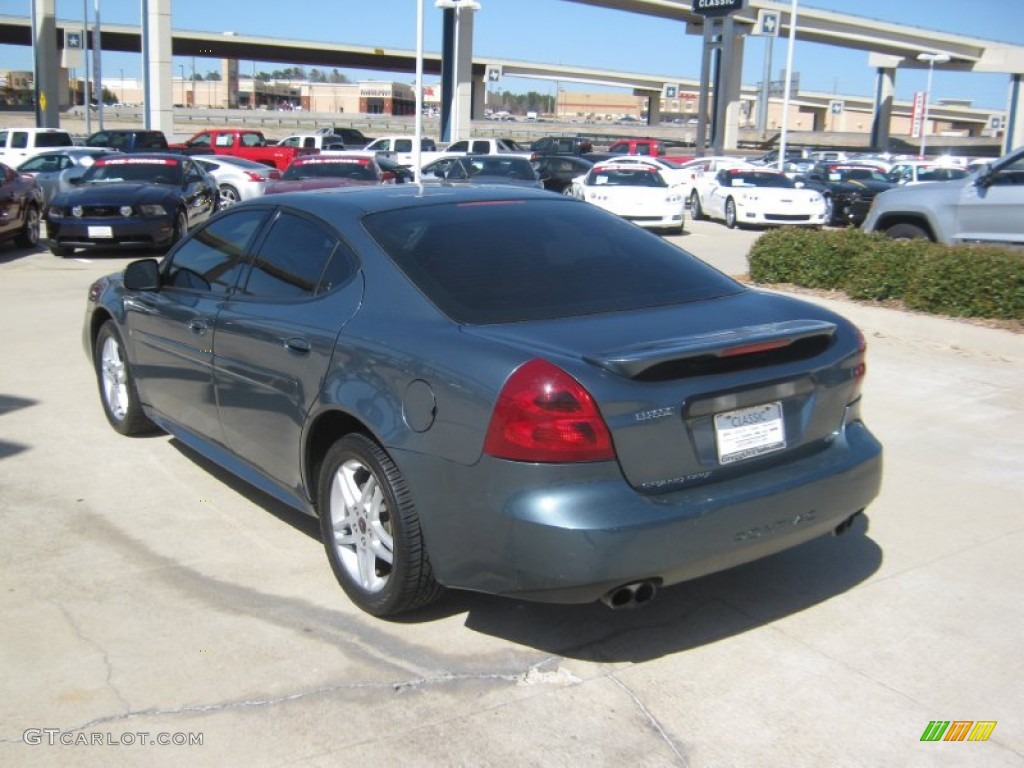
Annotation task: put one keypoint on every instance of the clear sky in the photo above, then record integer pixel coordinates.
(570, 33)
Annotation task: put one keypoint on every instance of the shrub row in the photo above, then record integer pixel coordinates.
(960, 281)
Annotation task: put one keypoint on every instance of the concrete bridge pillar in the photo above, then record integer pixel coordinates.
(47, 87)
(157, 67)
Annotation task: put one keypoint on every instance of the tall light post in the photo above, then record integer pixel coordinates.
(932, 59)
(181, 68)
(458, 6)
(788, 84)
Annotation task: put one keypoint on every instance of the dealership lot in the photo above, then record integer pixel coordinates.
(146, 592)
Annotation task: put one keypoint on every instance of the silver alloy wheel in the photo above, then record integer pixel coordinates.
(361, 525)
(114, 378)
(228, 196)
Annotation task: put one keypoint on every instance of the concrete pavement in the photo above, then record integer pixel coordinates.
(145, 592)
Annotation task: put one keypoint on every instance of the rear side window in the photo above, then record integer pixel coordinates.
(152, 141)
(299, 258)
(517, 260)
(212, 260)
(58, 139)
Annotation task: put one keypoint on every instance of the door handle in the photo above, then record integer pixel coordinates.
(198, 327)
(298, 345)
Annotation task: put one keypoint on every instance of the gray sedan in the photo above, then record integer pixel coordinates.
(489, 388)
(54, 169)
(237, 178)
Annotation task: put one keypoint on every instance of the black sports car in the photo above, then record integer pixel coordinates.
(558, 171)
(147, 200)
(848, 189)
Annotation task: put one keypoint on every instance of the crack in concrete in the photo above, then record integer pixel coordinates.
(102, 651)
(532, 676)
(652, 720)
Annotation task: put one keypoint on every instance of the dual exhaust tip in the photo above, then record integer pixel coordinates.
(640, 592)
(630, 595)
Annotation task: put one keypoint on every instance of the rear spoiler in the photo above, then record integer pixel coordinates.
(636, 360)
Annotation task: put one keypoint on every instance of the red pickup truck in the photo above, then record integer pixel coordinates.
(239, 142)
(652, 148)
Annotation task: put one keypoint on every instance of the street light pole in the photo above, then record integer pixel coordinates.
(931, 58)
(789, 81)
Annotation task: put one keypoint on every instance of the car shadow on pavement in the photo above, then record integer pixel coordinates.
(679, 618)
(9, 253)
(10, 403)
(686, 615)
(295, 518)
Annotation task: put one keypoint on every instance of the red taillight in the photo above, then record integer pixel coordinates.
(253, 176)
(544, 415)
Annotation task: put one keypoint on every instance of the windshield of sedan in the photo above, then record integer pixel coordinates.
(502, 261)
(856, 174)
(136, 170)
(735, 178)
(332, 169)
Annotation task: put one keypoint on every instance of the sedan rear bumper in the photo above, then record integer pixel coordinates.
(578, 532)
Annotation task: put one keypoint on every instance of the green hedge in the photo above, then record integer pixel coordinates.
(961, 281)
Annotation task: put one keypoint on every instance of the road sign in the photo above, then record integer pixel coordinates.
(493, 74)
(670, 91)
(716, 7)
(73, 40)
(836, 106)
(917, 115)
(767, 23)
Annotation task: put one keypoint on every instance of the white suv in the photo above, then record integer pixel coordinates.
(19, 144)
(985, 207)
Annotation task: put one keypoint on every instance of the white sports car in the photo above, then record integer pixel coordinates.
(757, 196)
(636, 191)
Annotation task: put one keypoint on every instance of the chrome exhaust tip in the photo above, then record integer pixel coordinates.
(630, 595)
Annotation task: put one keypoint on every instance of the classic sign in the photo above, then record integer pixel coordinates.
(716, 7)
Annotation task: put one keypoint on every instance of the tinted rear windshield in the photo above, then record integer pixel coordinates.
(53, 140)
(510, 261)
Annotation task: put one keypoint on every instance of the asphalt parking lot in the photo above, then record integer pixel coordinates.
(158, 612)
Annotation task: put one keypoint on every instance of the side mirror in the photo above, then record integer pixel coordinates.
(983, 176)
(142, 275)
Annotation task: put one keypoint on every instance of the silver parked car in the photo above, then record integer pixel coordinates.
(984, 207)
(237, 178)
(491, 388)
(56, 169)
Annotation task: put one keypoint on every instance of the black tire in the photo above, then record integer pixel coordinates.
(228, 196)
(906, 232)
(696, 211)
(730, 213)
(830, 210)
(118, 395)
(180, 229)
(61, 250)
(360, 537)
(29, 235)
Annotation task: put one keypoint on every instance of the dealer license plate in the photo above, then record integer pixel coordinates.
(749, 432)
(101, 232)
